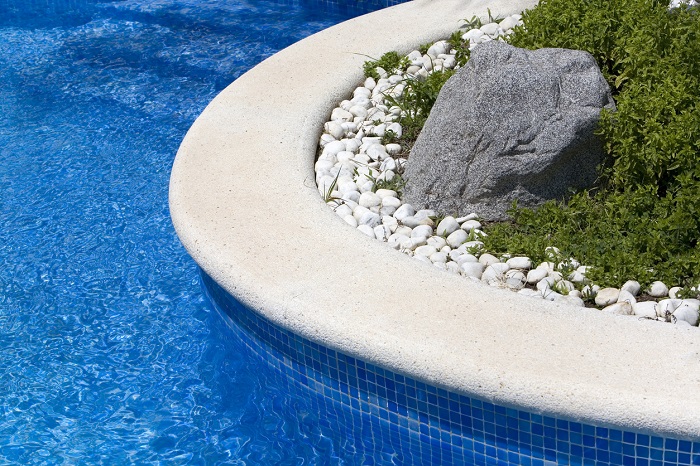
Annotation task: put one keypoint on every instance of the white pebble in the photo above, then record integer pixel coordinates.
(494, 273)
(688, 311)
(426, 250)
(473, 35)
(520, 263)
(547, 283)
(447, 226)
(370, 199)
(382, 193)
(471, 216)
(359, 211)
(658, 290)
(515, 279)
(548, 266)
(438, 257)
(437, 242)
(390, 201)
(381, 232)
(490, 28)
(472, 269)
(339, 114)
(632, 286)
(343, 210)
(422, 230)
(352, 145)
(393, 149)
(673, 292)
(358, 111)
(396, 239)
(535, 275)
(410, 221)
(396, 129)
(367, 230)
(334, 129)
(488, 259)
(626, 296)
(350, 220)
(456, 238)
(403, 230)
(645, 309)
(370, 219)
(413, 243)
(607, 296)
(470, 225)
(351, 197)
(462, 258)
(404, 211)
(621, 308)
(509, 22)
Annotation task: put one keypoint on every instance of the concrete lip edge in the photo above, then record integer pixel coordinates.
(244, 204)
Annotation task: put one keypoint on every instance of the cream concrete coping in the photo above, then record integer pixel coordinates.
(244, 203)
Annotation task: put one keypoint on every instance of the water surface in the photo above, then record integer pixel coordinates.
(109, 353)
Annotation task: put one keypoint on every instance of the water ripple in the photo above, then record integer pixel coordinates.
(110, 353)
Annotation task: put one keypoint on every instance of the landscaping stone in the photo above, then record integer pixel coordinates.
(607, 296)
(535, 275)
(520, 263)
(658, 290)
(457, 237)
(511, 124)
(626, 296)
(645, 309)
(447, 226)
(473, 269)
(621, 308)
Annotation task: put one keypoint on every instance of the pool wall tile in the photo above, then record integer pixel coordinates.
(411, 422)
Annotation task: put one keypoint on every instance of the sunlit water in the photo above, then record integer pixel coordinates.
(109, 353)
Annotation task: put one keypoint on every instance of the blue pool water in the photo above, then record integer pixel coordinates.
(109, 351)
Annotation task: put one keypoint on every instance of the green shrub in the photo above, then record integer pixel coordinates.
(644, 220)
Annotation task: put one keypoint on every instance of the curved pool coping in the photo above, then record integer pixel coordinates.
(245, 206)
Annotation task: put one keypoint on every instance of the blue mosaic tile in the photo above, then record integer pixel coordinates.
(405, 421)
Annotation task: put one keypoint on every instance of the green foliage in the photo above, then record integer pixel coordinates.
(644, 220)
(473, 23)
(396, 184)
(418, 98)
(328, 194)
(624, 236)
(389, 137)
(391, 62)
(461, 46)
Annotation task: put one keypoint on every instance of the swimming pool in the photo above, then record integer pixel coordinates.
(110, 351)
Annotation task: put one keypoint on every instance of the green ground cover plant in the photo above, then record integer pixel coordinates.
(642, 218)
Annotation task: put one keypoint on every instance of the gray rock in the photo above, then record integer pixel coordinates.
(511, 124)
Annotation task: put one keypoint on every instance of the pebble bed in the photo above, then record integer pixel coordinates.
(354, 168)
